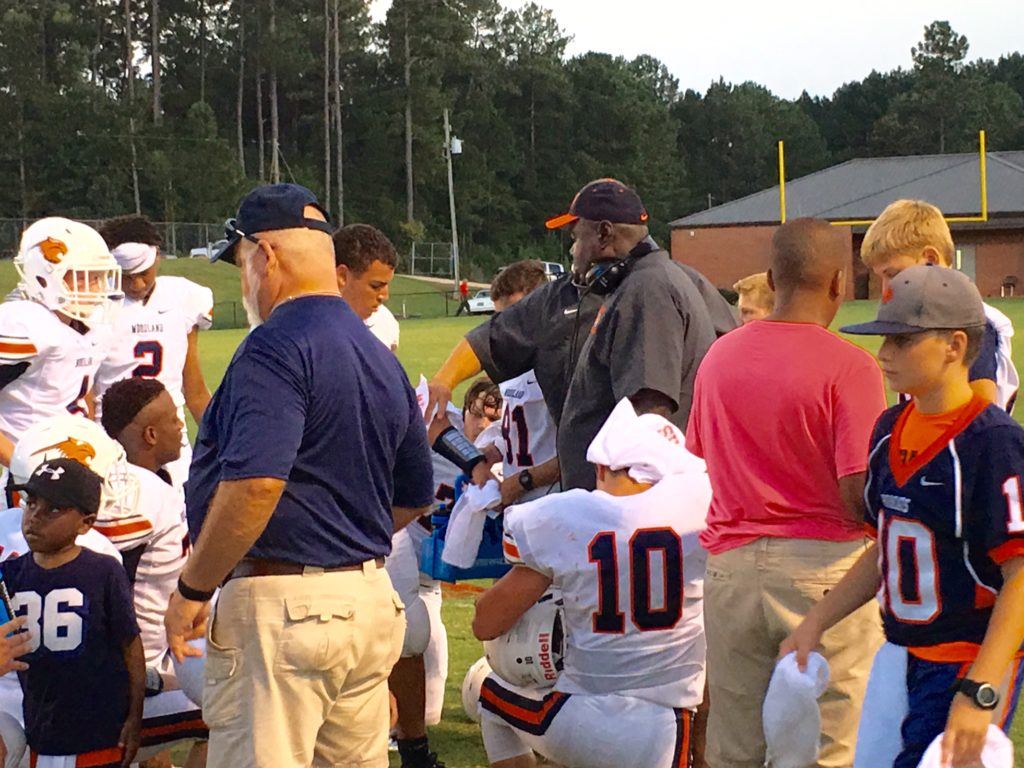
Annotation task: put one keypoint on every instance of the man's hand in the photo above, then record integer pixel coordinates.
(964, 737)
(492, 454)
(437, 426)
(481, 474)
(804, 639)
(511, 490)
(185, 620)
(12, 647)
(129, 738)
(439, 395)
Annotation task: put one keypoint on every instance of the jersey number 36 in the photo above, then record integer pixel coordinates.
(58, 630)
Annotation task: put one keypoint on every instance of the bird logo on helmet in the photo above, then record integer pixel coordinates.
(65, 266)
(75, 437)
(530, 654)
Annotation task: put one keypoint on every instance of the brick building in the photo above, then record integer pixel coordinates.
(730, 241)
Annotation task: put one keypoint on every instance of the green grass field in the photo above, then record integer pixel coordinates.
(424, 346)
(425, 343)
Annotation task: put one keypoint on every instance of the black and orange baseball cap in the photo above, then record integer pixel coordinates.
(603, 200)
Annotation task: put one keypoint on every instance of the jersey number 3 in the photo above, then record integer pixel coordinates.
(646, 613)
(57, 630)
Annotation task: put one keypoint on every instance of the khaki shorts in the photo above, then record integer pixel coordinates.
(754, 596)
(297, 668)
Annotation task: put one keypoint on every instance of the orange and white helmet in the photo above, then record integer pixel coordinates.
(76, 437)
(65, 266)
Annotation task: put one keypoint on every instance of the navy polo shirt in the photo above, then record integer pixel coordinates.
(311, 397)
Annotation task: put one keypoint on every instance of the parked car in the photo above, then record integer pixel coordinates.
(481, 303)
(206, 251)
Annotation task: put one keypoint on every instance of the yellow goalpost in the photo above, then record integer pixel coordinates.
(983, 180)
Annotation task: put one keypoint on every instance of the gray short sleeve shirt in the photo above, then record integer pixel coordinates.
(652, 334)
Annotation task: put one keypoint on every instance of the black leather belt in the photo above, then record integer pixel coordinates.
(261, 566)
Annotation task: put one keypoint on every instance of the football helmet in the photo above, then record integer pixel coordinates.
(65, 266)
(471, 685)
(78, 438)
(530, 654)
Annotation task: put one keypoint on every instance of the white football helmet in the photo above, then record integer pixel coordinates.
(471, 685)
(78, 438)
(65, 266)
(530, 654)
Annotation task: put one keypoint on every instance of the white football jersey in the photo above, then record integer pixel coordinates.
(152, 336)
(631, 573)
(384, 326)
(62, 365)
(527, 429)
(1007, 379)
(162, 560)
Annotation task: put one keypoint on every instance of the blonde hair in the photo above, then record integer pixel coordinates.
(757, 289)
(907, 225)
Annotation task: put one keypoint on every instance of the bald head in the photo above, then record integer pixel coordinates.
(806, 254)
(285, 263)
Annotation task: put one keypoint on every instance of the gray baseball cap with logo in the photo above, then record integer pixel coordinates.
(925, 298)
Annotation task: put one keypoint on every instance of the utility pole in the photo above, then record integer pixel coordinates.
(452, 146)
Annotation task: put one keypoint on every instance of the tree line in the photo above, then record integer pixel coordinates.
(174, 108)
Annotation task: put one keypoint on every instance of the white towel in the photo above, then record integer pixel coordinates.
(792, 720)
(466, 524)
(997, 752)
(649, 446)
(879, 740)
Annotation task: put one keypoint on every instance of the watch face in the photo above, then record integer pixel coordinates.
(986, 696)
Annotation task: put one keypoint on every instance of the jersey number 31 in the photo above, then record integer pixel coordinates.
(645, 614)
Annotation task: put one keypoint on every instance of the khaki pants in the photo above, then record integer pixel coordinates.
(297, 669)
(754, 596)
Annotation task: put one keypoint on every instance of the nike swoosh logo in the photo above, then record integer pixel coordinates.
(162, 311)
(926, 482)
(568, 312)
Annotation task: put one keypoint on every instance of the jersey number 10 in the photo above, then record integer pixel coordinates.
(609, 618)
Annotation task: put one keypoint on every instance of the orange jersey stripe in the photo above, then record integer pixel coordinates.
(17, 348)
(510, 550)
(172, 728)
(94, 759)
(111, 530)
(534, 718)
(959, 651)
(1007, 551)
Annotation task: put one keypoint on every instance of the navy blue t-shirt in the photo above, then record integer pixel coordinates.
(313, 398)
(80, 617)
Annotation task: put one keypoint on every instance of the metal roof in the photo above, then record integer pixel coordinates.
(860, 189)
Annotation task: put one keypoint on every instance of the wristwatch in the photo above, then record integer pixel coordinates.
(526, 480)
(983, 695)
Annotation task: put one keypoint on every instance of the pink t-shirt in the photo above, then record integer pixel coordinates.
(780, 412)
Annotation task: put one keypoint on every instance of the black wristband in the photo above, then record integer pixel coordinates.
(193, 594)
(455, 446)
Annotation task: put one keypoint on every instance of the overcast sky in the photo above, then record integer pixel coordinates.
(788, 45)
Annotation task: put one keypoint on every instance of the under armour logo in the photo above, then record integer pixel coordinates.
(54, 472)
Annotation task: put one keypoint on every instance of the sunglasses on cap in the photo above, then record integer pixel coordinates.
(231, 229)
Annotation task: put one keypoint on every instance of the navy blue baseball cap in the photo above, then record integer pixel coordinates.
(270, 207)
(603, 200)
